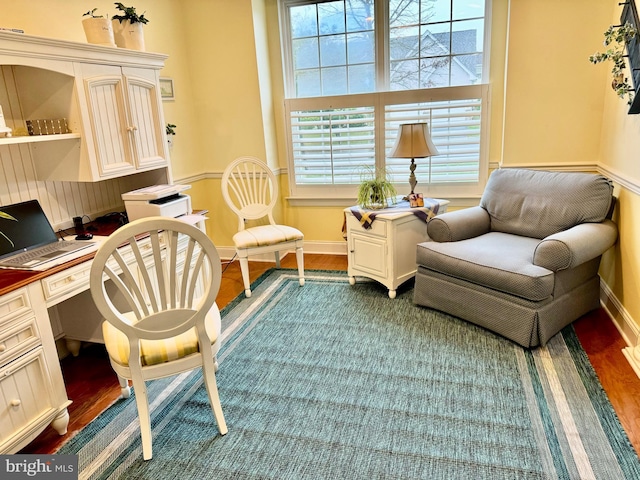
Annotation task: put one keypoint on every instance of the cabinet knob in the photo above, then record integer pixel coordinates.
(15, 402)
(3, 347)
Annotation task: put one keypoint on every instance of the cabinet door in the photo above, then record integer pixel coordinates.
(106, 101)
(25, 399)
(145, 120)
(368, 256)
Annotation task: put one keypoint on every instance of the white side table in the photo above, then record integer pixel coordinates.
(386, 252)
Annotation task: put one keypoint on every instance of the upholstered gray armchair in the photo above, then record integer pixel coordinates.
(524, 263)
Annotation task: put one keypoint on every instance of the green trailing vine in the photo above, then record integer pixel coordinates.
(616, 39)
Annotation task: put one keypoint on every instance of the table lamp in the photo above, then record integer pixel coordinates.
(413, 142)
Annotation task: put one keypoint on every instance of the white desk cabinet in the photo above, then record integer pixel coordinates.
(32, 391)
(386, 252)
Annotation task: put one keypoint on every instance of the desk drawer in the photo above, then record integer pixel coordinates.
(13, 305)
(63, 284)
(17, 338)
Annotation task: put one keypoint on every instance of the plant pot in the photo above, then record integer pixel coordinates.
(99, 31)
(128, 35)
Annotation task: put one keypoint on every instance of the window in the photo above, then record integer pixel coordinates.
(356, 69)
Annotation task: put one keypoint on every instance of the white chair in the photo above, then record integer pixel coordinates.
(250, 189)
(157, 296)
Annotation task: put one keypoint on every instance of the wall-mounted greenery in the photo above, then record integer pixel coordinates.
(617, 39)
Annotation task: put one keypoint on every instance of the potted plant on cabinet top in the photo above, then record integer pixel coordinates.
(376, 190)
(127, 28)
(98, 29)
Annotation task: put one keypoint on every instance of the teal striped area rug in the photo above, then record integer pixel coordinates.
(333, 381)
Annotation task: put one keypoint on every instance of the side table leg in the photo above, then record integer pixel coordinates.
(352, 280)
(392, 294)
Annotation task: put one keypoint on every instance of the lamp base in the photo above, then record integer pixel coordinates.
(412, 178)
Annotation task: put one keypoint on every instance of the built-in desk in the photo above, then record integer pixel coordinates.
(32, 390)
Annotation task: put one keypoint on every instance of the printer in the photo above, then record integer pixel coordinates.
(157, 200)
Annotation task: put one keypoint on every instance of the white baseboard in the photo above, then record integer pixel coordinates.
(625, 324)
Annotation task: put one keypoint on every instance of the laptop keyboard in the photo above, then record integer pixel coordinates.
(46, 251)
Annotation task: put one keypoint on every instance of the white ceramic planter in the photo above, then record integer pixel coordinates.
(128, 35)
(99, 31)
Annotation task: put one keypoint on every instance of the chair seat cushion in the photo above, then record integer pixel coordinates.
(497, 260)
(265, 235)
(154, 352)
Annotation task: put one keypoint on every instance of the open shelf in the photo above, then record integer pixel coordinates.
(37, 138)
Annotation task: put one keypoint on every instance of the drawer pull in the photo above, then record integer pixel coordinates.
(15, 402)
(71, 278)
(3, 347)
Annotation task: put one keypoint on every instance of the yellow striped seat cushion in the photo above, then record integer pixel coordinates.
(266, 235)
(159, 351)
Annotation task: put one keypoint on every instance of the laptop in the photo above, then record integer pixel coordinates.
(29, 241)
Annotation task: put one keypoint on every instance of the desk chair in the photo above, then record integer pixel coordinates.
(159, 307)
(250, 189)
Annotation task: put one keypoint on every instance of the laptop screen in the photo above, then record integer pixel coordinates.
(30, 229)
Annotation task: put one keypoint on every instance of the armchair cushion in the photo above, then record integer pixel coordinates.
(540, 203)
(497, 260)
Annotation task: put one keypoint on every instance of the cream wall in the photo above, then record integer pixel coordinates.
(553, 101)
(619, 157)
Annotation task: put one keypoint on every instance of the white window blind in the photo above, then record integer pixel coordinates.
(455, 128)
(333, 147)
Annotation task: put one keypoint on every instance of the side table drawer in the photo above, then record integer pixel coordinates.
(378, 228)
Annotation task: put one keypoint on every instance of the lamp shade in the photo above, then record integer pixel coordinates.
(413, 141)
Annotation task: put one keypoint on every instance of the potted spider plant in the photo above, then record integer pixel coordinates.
(376, 190)
(98, 29)
(127, 28)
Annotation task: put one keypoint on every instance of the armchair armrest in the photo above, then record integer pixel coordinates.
(575, 246)
(459, 225)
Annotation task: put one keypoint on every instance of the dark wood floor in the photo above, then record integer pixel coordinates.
(92, 385)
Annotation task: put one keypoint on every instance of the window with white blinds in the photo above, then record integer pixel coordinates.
(350, 84)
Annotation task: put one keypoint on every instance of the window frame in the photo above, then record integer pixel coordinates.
(379, 99)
